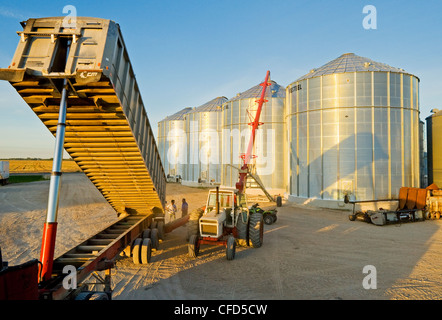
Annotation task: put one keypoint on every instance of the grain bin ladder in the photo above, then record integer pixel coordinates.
(107, 131)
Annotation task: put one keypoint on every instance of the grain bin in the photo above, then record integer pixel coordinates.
(434, 148)
(172, 144)
(237, 113)
(202, 126)
(353, 128)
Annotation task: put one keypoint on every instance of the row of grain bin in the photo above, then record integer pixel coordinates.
(349, 127)
(204, 144)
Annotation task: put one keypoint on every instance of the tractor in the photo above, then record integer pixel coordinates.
(227, 221)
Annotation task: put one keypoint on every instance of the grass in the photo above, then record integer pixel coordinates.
(22, 179)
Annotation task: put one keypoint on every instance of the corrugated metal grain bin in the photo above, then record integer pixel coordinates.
(434, 148)
(202, 125)
(269, 146)
(353, 128)
(171, 143)
(108, 133)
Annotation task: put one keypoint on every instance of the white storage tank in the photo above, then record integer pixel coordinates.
(171, 145)
(4, 172)
(353, 128)
(268, 162)
(203, 136)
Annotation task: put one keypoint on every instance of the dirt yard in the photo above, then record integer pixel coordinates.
(307, 254)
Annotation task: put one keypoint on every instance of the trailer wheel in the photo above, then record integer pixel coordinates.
(136, 251)
(160, 227)
(352, 217)
(193, 246)
(146, 233)
(256, 230)
(154, 239)
(146, 251)
(99, 296)
(231, 247)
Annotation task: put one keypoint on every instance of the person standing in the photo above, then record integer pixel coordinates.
(172, 209)
(184, 208)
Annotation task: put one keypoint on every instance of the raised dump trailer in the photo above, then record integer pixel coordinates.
(107, 131)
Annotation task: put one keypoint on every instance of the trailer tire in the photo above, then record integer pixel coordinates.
(242, 229)
(99, 296)
(146, 251)
(230, 247)
(85, 295)
(256, 230)
(193, 246)
(160, 227)
(352, 217)
(146, 233)
(136, 251)
(154, 239)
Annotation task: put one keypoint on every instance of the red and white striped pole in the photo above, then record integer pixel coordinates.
(243, 173)
(50, 226)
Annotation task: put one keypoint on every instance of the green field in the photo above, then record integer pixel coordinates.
(30, 178)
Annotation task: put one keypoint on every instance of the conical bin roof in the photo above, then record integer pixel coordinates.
(349, 62)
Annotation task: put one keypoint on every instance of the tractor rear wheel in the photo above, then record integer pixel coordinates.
(256, 230)
(241, 229)
(230, 247)
(194, 246)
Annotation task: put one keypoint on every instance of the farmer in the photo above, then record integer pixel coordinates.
(184, 208)
(171, 209)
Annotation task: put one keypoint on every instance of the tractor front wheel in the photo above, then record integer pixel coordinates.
(230, 247)
(193, 246)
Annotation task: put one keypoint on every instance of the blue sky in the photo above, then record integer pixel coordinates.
(187, 52)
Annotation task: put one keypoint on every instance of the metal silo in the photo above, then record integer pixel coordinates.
(434, 148)
(202, 127)
(268, 162)
(171, 143)
(353, 128)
